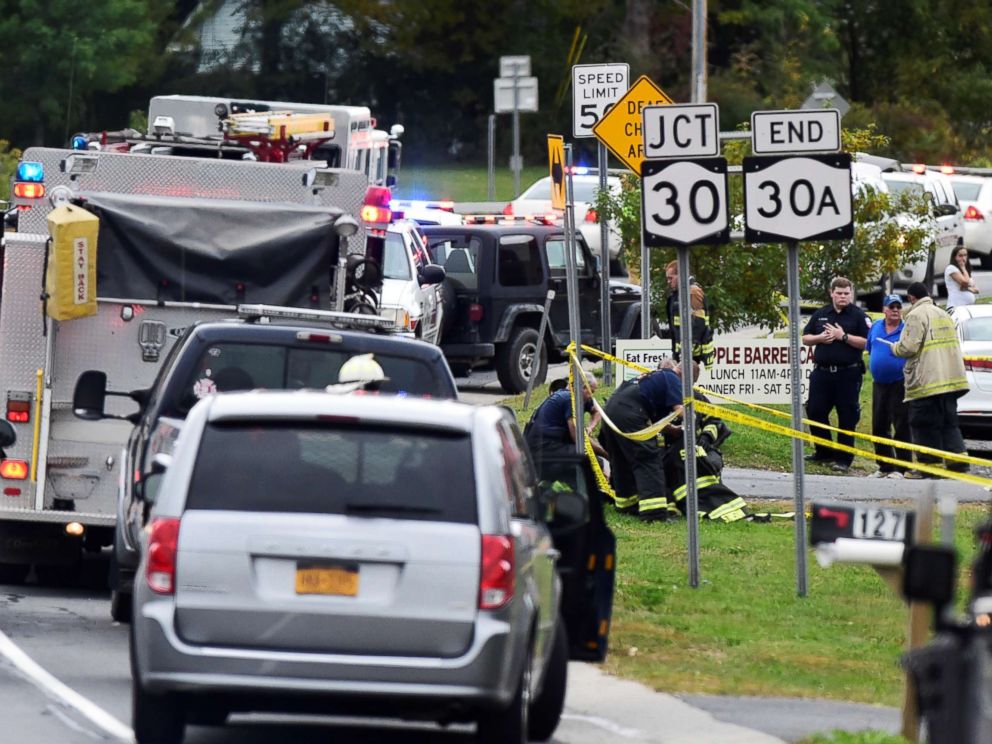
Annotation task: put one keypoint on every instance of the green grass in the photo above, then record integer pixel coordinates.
(461, 183)
(744, 631)
(860, 737)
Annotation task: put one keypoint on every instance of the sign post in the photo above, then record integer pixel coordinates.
(684, 203)
(574, 327)
(515, 91)
(793, 198)
(620, 129)
(595, 88)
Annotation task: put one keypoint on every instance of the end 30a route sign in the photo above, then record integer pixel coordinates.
(806, 197)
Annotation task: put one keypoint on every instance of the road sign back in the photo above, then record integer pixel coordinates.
(620, 127)
(556, 169)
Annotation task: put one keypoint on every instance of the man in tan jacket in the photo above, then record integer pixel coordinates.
(935, 378)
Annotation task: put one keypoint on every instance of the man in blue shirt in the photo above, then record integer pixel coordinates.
(889, 412)
(551, 430)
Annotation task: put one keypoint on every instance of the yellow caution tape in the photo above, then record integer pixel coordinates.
(746, 420)
(954, 456)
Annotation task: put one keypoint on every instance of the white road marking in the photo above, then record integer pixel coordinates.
(607, 725)
(50, 685)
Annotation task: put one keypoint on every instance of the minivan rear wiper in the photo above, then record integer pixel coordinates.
(383, 507)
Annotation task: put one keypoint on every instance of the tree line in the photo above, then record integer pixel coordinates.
(916, 69)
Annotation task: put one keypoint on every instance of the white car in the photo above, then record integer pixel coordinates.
(425, 212)
(948, 225)
(411, 284)
(536, 200)
(974, 324)
(975, 195)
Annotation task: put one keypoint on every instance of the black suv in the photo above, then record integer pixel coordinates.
(224, 356)
(497, 279)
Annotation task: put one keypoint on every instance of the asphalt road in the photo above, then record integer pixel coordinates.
(68, 633)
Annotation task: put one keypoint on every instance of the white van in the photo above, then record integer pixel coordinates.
(948, 223)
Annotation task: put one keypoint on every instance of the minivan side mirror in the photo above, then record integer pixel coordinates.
(432, 274)
(929, 574)
(945, 210)
(8, 436)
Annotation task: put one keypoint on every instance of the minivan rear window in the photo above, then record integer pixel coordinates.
(363, 471)
(227, 367)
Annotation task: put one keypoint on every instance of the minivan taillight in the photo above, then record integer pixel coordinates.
(498, 576)
(162, 541)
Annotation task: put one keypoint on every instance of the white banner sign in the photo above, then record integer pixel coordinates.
(748, 370)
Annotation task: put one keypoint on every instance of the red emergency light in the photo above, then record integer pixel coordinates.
(24, 190)
(14, 469)
(18, 411)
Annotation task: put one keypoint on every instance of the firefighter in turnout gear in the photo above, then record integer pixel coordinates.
(637, 467)
(716, 500)
(703, 350)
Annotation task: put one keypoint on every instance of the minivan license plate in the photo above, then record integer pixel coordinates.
(340, 580)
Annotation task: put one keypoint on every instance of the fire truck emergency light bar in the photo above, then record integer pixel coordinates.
(354, 320)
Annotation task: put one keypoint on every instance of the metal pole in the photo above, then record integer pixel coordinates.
(540, 342)
(645, 286)
(698, 51)
(516, 132)
(798, 466)
(689, 419)
(491, 170)
(604, 289)
(574, 327)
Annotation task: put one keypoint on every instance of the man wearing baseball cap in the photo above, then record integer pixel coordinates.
(889, 412)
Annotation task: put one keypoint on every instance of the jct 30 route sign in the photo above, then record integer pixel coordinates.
(684, 202)
(798, 198)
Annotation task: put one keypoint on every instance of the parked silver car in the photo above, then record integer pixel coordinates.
(974, 324)
(360, 555)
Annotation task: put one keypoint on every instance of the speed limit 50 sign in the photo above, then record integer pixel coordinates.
(684, 202)
(804, 197)
(595, 88)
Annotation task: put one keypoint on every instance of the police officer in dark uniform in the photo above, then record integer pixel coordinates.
(838, 332)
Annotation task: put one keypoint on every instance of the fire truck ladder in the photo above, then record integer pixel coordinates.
(275, 136)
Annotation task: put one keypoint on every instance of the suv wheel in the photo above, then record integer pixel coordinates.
(517, 360)
(545, 711)
(509, 725)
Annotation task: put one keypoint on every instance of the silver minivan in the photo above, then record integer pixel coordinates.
(351, 554)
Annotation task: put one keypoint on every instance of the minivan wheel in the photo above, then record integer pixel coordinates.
(546, 709)
(156, 719)
(517, 359)
(509, 725)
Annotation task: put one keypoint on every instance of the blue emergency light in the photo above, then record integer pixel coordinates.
(28, 170)
(79, 142)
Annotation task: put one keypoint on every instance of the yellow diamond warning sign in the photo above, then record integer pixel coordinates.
(620, 128)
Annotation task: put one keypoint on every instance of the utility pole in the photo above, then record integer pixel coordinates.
(698, 51)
